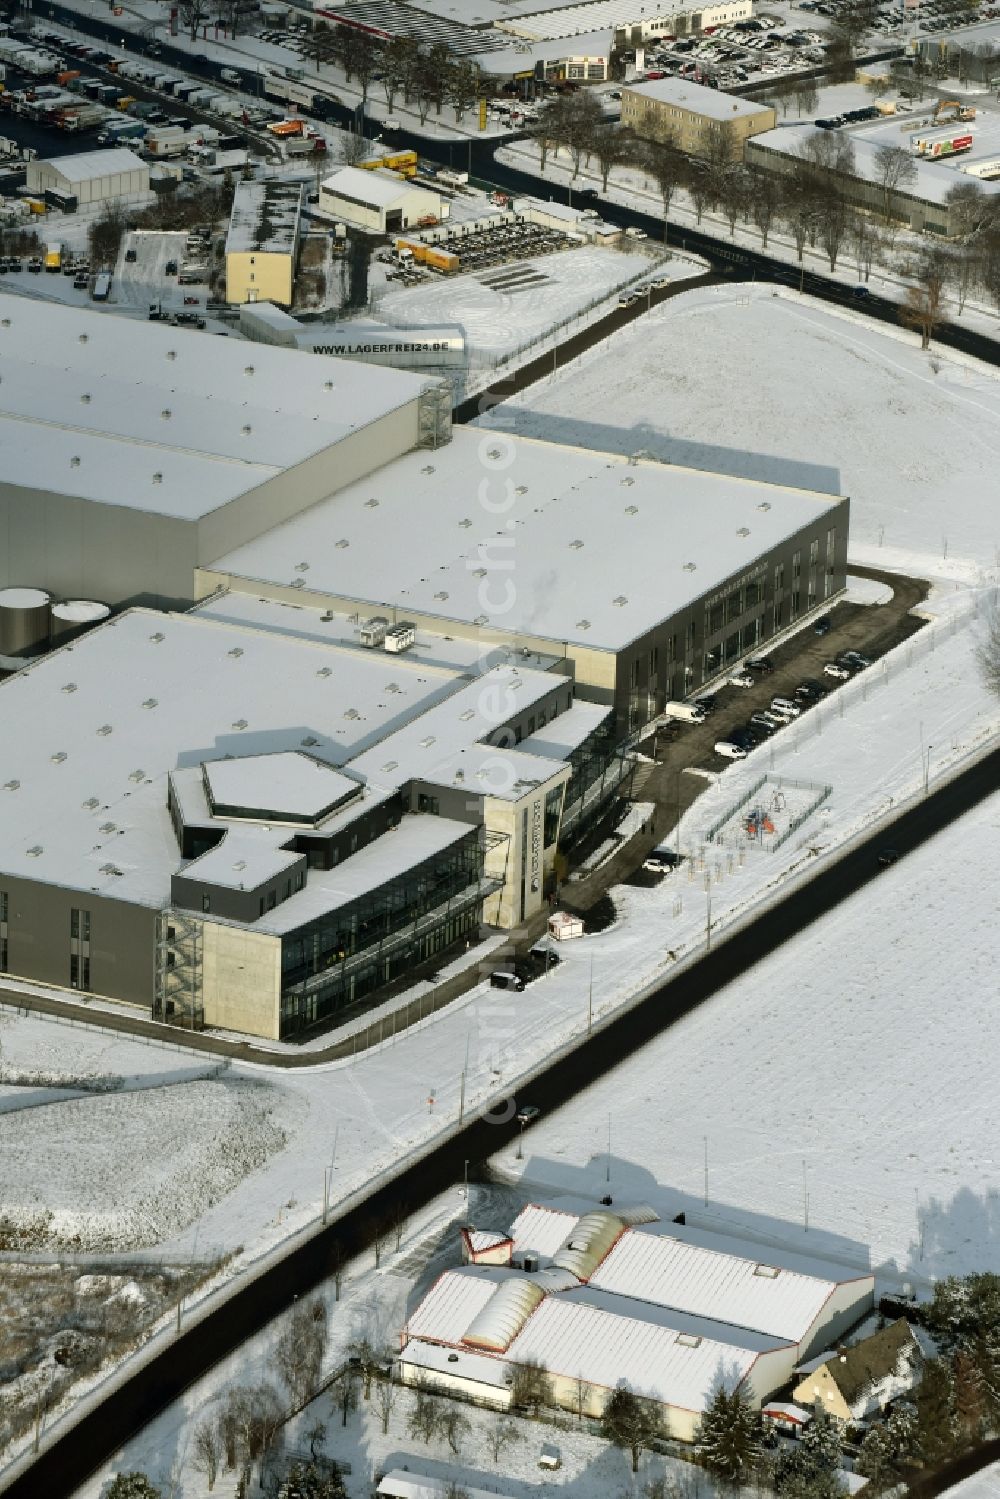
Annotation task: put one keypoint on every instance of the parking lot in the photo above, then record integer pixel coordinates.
(681, 747)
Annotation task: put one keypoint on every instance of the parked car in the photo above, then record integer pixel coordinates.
(661, 861)
(741, 679)
(171, 268)
(706, 704)
(855, 659)
(131, 256)
(785, 705)
(506, 978)
(886, 856)
(823, 626)
(628, 299)
(809, 692)
(764, 722)
(730, 751)
(527, 1113)
(834, 669)
(763, 664)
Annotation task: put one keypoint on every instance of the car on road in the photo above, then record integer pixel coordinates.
(763, 664)
(834, 669)
(628, 299)
(823, 626)
(526, 1113)
(887, 856)
(707, 705)
(730, 751)
(741, 679)
(660, 283)
(861, 294)
(661, 861)
(854, 659)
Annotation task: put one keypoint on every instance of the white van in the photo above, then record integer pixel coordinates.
(729, 751)
(687, 712)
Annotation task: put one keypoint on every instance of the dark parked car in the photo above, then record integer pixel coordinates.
(171, 268)
(763, 664)
(887, 856)
(823, 626)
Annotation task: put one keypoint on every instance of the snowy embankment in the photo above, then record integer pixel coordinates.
(834, 403)
(128, 1170)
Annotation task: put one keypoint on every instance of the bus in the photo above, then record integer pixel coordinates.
(102, 286)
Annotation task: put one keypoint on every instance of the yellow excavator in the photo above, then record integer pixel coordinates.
(959, 111)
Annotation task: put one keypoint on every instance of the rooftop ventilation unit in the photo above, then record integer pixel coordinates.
(373, 503)
(324, 671)
(236, 652)
(158, 637)
(690, 567)
(149, 702)
(59, 757)
(743, 531)
(109, 827)
(68, 687)
(240, 723)
(105, 730)
(34, 852)
(301, 567)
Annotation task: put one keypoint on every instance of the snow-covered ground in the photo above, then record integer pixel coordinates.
(511, 310)
(63, 1187)
(747, 380)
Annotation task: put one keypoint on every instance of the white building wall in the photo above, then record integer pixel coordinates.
(848, 1303)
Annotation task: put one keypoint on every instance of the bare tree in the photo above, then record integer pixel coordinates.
(367, 1362)
(922, 308)
(248, 1424)
(988, 650)
(666, 164)
(454, 1426)
(345, 1393)
(894, 168)
(530, 1386)
(464, 88)
(865, 242)
(386, 1396)
(583, 1394)
(298, 1355)
(765, 199)
(424, 1418)
(316, 1436)
(456, 1490)
(501, 1435)
(611, 149)
(833, 223)
(192, 14)
(206, 1450)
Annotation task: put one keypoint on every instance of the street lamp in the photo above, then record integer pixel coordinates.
(465, 1183)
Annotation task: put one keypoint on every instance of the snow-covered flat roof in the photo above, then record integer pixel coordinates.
(287, 785)
(334, 627)
(579, 1335)
(696, 98)
(375, 186)
(418, 837)
(572, 20)
(89, 734)
(402, 1484)
(561, 736)
(575, 534)
(487, 770)
(462, 1362)
(454, 1300)
(87, 165)
(541, 1230)
(747, 1292)
(265, 218)
(164, 420)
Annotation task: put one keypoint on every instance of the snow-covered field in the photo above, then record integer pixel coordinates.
(849, 1063)
(774, 386)
(505, 308)
(63, 1184)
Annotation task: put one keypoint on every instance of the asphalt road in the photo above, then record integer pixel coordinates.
(78, 1452)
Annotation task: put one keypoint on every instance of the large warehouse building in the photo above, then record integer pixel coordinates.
(647, 578)
(378, 201)
(412, 675)
(597, 1297)
(91, 177)
(131, 453)
(236, 825)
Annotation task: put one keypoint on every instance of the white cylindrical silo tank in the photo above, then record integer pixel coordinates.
(24, 620)
(73, 616)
